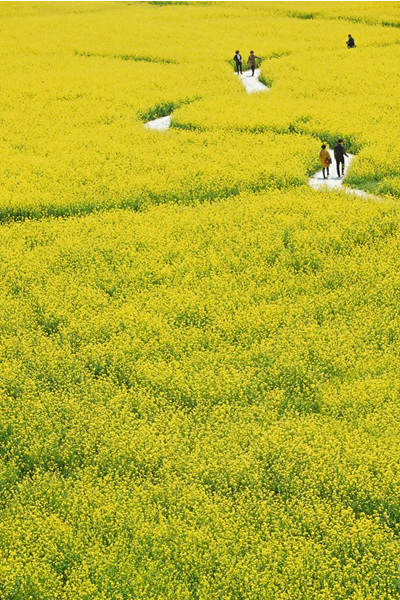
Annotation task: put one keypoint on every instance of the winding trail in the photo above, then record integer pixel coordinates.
(334, 183)
(316, 182)
(251, 84)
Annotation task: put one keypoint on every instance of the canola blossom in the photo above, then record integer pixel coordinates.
(199, 353)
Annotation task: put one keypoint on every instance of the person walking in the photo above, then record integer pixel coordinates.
(340, 153)
(350, 42)
(252, 62)
(238, 60)
(326, 160)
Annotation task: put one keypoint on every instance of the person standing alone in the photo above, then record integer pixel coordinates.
(340, 153)
(252, 62)
(238, 60)
(350, 42)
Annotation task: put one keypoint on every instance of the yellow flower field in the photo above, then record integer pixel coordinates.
(77, 86)
(199, 382)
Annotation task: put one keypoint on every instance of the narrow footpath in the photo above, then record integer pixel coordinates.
(251, 84)
(333, 182)
(317, 181)
(161, 124)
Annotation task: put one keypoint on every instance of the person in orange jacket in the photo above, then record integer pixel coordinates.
(326, 160)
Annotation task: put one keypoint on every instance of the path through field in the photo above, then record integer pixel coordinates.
(317, 181)
(161, 124)
(253, 84)
(334, 182)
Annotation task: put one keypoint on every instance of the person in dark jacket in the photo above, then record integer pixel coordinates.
(340, 153)
(238, 60)
(350, 42)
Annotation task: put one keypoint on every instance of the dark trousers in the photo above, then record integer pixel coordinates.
(239, 67)
(253, 68)
(338, 163)
(327, 172)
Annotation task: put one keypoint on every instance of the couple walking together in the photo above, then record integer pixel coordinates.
(251, 61)
(326, 160)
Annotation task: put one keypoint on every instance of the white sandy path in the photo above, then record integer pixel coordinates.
(317, 181)
(251, 84)
(161, 124)
(334, 182)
